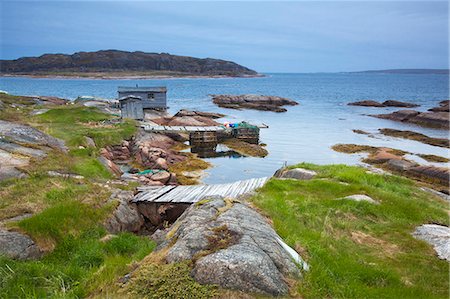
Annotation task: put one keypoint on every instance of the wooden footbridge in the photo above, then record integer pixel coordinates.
(195, 193)
(181, 129)
(188, 129)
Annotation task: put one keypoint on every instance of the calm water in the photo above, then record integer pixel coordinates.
(304, 133)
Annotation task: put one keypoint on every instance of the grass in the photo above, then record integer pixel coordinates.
(68, 214)
(357, 249)
(77, 267)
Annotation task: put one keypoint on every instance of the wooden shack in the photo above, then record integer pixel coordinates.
(152, 97)
(131, 107)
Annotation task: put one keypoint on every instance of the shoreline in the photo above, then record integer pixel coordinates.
(128, 77)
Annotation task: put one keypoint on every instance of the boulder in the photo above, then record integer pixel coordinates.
(89, 141)
(295, 173)
(361, 197)
(161, 176)
(18, 246)
(125, 217)
(232, 246)
(366, 103)
(436, 235)
(251, 101)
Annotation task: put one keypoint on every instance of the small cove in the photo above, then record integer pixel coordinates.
(304, 133)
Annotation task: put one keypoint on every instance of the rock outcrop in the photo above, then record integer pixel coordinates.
(20, 143)
(125, 217)
(19, 133)
(388, 103)
(443, 107)
(232, 246)
(251, 101)
(436, 235)
(366, 103)
(428, 119)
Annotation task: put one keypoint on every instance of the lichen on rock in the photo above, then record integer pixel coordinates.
(232, 246)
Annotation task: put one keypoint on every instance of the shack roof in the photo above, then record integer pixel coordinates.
(142, 89)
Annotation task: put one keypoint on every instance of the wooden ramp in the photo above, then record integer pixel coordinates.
(192, 194)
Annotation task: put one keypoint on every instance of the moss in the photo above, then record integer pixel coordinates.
(442, 142)
(354, 148)
(190, 164)
(246, 149)
(434, 158)
(168, 281)
(202, 202)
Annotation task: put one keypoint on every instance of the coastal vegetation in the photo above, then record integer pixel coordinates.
(246, 149)
(66, 214)
(352, 249)
(358, 249)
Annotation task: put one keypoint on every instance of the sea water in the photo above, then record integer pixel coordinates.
(305, 133)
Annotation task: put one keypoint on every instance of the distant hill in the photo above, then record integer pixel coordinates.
(409, 71)
(119, 63)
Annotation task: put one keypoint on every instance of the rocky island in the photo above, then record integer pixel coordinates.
(388, 103)
(122, 64)
(251, 101)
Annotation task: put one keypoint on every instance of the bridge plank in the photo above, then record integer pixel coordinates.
(192, 194)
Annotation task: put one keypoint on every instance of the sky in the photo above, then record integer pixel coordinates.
(295, 36)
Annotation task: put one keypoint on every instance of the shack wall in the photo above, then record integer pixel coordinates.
(132, 109)
(159, 102)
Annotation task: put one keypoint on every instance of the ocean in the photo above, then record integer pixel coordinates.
(303, 134)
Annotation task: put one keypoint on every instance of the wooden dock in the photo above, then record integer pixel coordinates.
(195, 193)
(178, 129)
(188, 129)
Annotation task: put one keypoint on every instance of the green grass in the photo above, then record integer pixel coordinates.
(357, 249)
(77, 267)
(73, 123)
(68, 214)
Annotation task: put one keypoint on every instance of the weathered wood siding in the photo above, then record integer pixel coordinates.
(160, 100)
(132, 109)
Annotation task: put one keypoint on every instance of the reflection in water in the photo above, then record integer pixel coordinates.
(216, 152)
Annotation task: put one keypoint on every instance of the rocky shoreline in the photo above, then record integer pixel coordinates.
(108, 76)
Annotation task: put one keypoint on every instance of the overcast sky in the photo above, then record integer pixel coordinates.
(303, 36)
